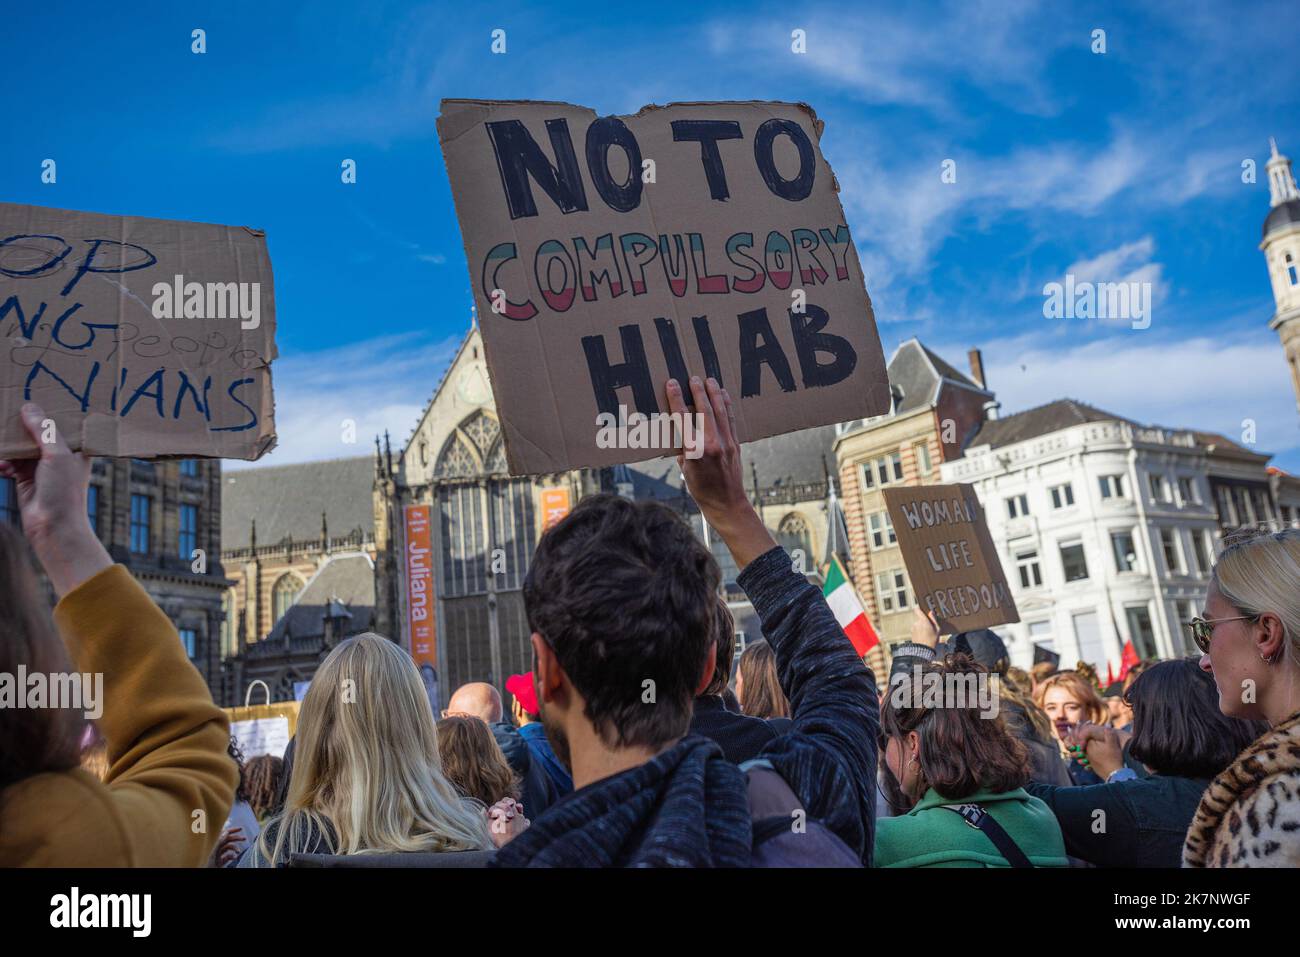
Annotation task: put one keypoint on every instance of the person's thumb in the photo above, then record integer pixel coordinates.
(35, 420)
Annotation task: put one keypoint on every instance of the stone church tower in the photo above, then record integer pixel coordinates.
(1281, 246)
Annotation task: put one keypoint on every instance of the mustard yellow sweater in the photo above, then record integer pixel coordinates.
(170, 782)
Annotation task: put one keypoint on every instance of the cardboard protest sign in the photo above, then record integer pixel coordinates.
(954, 568)
(608, 254)
(137, 337)
(263, 728)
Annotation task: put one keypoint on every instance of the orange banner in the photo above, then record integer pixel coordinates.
(555, 505)
(419, 587)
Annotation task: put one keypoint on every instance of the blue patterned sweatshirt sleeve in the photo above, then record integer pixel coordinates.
(829, 757)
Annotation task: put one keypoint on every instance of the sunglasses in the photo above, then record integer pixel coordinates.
(1203, 629)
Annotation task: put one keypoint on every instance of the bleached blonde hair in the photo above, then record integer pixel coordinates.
(1259, 571)
(366, 772)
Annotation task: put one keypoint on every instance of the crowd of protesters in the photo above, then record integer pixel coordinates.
(639, 738)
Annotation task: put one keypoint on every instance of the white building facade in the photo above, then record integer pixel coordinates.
(1106, 531)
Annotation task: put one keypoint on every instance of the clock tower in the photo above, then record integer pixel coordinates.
(1281, 247)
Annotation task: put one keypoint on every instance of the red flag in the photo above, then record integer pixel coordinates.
(1128, 659)
(1110, 674)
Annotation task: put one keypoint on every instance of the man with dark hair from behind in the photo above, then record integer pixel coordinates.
(740, 736)
(621, 598)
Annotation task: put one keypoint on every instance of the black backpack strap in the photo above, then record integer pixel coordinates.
(982, 820)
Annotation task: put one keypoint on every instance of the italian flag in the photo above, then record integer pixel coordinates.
(848, 610)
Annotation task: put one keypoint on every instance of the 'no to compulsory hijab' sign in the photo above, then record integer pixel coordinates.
(608, 254)
(137, 337)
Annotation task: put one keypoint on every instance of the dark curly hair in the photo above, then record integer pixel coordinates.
(625, 593)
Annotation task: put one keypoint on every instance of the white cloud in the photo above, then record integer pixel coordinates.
(912, 58)
(1210, 382)
(379, 384)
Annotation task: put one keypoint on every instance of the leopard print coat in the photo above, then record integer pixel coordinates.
(1250, 815)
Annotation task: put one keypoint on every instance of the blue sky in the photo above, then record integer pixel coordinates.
(1122, 165)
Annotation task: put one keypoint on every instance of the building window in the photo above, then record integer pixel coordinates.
(1169, 546)
(1062, 495)
(883, 471)
(793, 536)
(1291, 270)
(1073, 562)
(1245, 508)
(141, 508)
(1040, 635)
(1112, 486)
(92, 507)
(1187, 491)
(283, 595)
(188, 539)
(1227, 511)
(190, 639)
(8, 501)
(882, 530)
(1159, 487)
(1186, 612)
(923, 458)
(190, 467)
(892, 589)
(727, 564)
(1125, 553)
(1017, 506)
(1200, 551)
(1031, 573)
(1140, 631)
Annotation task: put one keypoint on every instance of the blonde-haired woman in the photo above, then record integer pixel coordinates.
(1069, 699)
(1250, 642)
(366, 774)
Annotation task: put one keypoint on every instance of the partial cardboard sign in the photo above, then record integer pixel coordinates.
(264, 728)
(951, 561)
(609, 254)
(138, 337)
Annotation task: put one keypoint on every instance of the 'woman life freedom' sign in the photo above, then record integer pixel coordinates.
(950, 558)
(608, 254)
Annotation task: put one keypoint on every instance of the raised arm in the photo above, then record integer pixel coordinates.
(829, 756)
(170, 783)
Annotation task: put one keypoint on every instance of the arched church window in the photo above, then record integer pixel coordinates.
(1291, 270)
(793, 534)
(496, 463)
(457, 459)
(483, 430)
(287, 588)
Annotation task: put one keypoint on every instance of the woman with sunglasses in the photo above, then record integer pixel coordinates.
(1249, 637)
